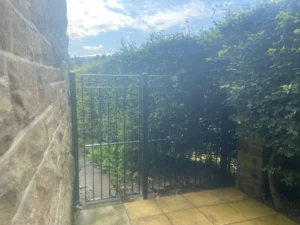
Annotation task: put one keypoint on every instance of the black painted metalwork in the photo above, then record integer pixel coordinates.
(130, 135)
(74, 135)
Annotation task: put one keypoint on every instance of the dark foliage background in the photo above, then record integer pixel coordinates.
(243, 72)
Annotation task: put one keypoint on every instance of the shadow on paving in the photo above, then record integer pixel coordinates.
(213, 207)
(111, 213)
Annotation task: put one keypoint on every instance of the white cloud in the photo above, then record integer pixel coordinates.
(91, 17)
(175, 15)
(93, 48)
(114, 4)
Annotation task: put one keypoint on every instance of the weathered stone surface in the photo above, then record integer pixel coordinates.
(38, 14)
(23, 6)
(5, 26)
(35, 149)
(28, 209)
(24, 92)
(23, 162)
(6, 110)
(34, 45)
(19, 35)
(250, 176)
(47, 53)
(250, 160)
(8, 206)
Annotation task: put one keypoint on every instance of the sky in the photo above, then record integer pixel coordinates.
(98, 26)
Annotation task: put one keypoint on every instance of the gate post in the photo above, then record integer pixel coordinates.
(72, 79)
(145, 141)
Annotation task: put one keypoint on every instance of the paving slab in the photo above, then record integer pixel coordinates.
(252, 209)
(202, 198)
(215, 207)
(173, 203)
(268, 220)
(188, 217)
(106, 215)
(153, 220)
(142, 209)
(221, 214)
(229, 194)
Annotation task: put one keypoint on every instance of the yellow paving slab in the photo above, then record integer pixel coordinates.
(173, 203)
(153, 220)
(202, 198)
(274, 220)
(252, 209)
(268, 220)
(188, 217)
(248, 222)
(221, 214)
(142, 209)
(229, 194)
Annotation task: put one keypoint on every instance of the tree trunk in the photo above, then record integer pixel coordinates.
(272, 185)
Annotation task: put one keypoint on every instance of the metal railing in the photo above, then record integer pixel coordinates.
(127, 136)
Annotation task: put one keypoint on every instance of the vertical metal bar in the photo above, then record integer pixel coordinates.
(83, 135)
(72, 79)
(124, 139)
(196, 164)
(132, 146)
(145, 140)
(116, 141)
(92, 138)
(108, 140)
(152, 136)
(139, 132)
(100, 137)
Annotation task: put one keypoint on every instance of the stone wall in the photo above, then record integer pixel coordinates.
(35, 149)
(251, 160)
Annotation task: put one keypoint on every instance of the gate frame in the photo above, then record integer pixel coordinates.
(143, 146)
(74, 125)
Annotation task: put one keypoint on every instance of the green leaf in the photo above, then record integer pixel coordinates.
(297, 31)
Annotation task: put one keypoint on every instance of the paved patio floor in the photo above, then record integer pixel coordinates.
(213, 207)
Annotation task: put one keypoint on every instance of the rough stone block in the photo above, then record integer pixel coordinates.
(56, 75)
(243, 145)
(47, 53)
(28, 210)
(24, 92)
(255, 148)
(23, 162)
(45, 183)
(251, 146)
(250, 160)
(5, 26)
(23, 6)
(249, 188)
(12, 171)
(43, 85)
(38, 14)
(8, 205)
(34, 45)
(37, 142)
(19, 35)
(253, 174)
(52, 121)
(6, 111)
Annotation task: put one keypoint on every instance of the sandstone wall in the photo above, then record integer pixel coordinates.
(36, 164)
(251, 160)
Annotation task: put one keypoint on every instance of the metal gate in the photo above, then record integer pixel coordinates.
(127, 136)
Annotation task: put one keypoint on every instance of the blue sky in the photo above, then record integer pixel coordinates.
(97, 26)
